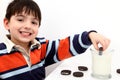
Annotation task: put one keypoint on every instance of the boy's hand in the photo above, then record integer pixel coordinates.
(97, 38)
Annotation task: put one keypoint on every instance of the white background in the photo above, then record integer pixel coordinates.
(61, 18)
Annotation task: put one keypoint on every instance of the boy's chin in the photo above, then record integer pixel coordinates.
(26, 40)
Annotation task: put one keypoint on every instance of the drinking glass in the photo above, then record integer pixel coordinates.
(101, 63)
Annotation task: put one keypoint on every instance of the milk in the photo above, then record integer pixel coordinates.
(101, 64)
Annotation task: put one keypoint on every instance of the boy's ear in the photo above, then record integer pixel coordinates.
(6, 21)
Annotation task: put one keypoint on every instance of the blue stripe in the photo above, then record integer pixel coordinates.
(42, 40)
(71, 46)
(81, 43)
(2, 46)
(4, 51)
(49, 48)
(20, 71)
(56, 49)
(79, 49)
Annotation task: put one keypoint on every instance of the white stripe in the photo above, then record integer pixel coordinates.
(49, 48)
(81, 43)
(42, 40)
(56, 48)
(71, 46)
(20, 71)
(3, 51)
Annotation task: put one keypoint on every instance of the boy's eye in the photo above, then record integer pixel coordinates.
(20, 19)
(35, 23)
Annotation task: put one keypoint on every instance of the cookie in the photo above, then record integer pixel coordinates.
(65, 72)
(78, 74)
(100, 50)
(118, 71)
(82, 68)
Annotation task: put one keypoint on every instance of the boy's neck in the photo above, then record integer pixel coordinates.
(24, 45)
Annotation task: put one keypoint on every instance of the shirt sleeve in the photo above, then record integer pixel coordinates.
(61, 49)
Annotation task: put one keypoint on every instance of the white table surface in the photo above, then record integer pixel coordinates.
(83, 60)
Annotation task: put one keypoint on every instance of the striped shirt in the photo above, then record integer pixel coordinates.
(16, 64)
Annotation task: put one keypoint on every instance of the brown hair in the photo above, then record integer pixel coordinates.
(18, 6)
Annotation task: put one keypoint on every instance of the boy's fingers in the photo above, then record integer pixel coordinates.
(95, 45)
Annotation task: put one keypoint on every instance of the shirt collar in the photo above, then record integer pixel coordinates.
(10, 44)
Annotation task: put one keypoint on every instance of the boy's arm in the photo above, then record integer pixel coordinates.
(61, 49)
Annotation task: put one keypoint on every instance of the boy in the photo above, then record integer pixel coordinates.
(23, 56)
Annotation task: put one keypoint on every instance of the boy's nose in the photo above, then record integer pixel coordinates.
(27, 25)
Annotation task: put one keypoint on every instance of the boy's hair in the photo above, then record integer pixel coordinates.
(18, 6)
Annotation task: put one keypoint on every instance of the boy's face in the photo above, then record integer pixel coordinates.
(23, 27)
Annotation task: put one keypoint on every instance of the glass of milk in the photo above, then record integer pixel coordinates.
(101, 63)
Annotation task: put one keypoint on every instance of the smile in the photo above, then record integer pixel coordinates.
(24, 33)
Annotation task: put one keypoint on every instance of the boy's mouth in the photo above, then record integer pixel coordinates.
(25, 33)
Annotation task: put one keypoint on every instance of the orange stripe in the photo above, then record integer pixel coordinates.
(43, 47)
(35, 56)
(11, 61)
(38, 54)
(63, 49)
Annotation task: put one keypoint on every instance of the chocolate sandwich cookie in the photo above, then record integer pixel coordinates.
(78, 74)
(65, 72)
(100, 50)
(82, 68)
(118, 71)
